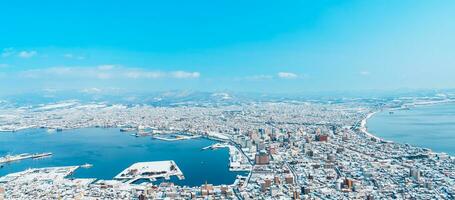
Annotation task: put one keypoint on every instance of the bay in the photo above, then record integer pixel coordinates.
(429, 126)
(110, 151)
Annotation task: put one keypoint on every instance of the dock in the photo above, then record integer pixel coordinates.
(237, 160)
(151, 171)
(176, 138)
(12, 158)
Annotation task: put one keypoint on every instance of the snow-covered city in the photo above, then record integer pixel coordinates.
(299, 150)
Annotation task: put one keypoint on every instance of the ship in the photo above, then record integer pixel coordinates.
(127, 129)
(86, 165)
(12, 158)
(41, 155)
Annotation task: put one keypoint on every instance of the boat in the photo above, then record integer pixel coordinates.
(127, 129)
(40, 155)
(51, 130)
(86, 165)
(11, 158)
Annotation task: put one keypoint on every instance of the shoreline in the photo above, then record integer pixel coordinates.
(427, 103)
(364, 129)
(363, 124)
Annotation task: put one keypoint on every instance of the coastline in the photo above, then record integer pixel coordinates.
(364, 129)
(363, 125)
(428, 103)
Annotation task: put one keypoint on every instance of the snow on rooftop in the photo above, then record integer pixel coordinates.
(156, 166)
(153, 169)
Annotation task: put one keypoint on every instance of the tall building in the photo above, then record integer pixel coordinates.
(414, 173)
(346, 185)
(262, 158)
(276, 180)
(345, 137)
(289, 179)
(2, 193)
(296, 194)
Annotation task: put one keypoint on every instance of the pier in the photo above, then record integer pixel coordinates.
(151, 171)
(237, 160)
(12, 158)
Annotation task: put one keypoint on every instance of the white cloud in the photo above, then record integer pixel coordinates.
(6, 52)
(27, 54)
(258, 77)
(133, 75)
(91, 90)
(139, 73)
(104, 72)
(106, 67)
(183, 74)
(153, 75)
(280, 75)
(103, 75)
(287, 75)
(68, 55)
(364, 73)
(73, 56)
(50, 90)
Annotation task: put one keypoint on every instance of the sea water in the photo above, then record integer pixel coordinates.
(111, 151)
(429, 126)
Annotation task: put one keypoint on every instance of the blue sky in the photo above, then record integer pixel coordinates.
(253, 46)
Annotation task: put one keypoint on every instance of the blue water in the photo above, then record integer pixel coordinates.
(110, 151)
(431, 126)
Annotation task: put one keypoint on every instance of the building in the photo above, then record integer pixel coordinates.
(268, 182)
(206, 189)
(296, 194)
(305, 190)
(276, 180)
(264, 186)
(414, 173)
(262, 158)
(2, 193)
(322, 138)
(289, 179)
(348, 183)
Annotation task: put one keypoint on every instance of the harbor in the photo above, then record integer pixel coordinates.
(237, 160)
(103, 159)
